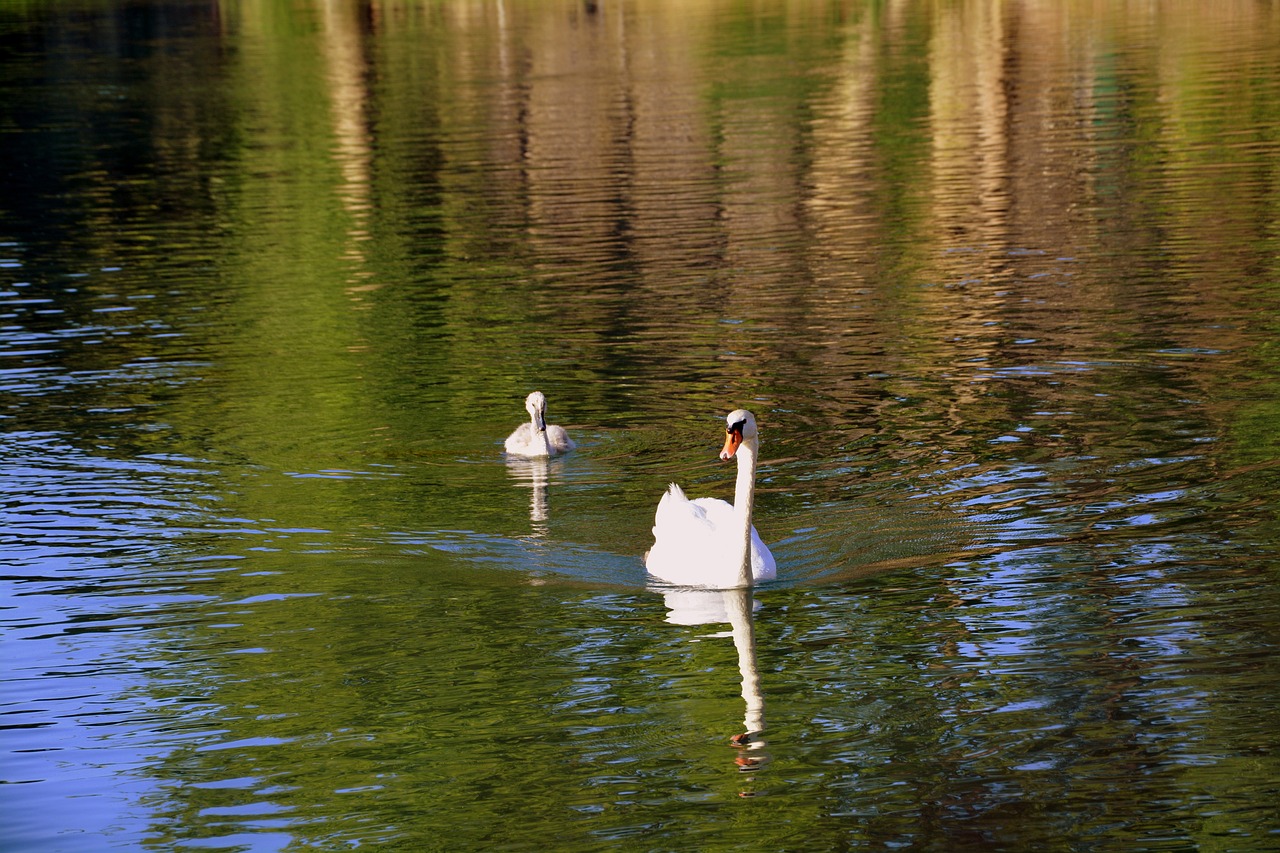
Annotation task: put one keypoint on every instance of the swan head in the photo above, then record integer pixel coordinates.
(739, 426)
(536, 405)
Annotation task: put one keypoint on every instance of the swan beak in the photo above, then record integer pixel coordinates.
(732, 438)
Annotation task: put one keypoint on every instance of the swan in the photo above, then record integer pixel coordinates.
(536, 438)
(708, 542)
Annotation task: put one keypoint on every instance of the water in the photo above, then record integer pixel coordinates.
(999, 282)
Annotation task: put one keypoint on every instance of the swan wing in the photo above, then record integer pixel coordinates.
(559, 439)
(520, 440)
(719, 515)
(686, 544)
(689, 546)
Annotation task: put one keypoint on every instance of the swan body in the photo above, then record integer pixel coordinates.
(536, 438)
(708, 542)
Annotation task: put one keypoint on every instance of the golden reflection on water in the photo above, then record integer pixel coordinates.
(823, 147)
(342, 47)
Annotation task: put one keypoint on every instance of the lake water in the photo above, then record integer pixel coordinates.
(1000, 281)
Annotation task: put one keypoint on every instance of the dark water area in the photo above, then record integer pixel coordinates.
(999, 281)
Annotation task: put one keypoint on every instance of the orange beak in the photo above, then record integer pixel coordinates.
(732, 439)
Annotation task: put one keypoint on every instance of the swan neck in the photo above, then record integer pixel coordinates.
(540, 439)
(743, 501)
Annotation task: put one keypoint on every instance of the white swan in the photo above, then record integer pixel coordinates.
(708, 542)
(536, 438)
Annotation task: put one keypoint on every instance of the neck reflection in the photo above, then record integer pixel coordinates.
(736, 607)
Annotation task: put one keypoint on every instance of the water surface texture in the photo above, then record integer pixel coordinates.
(999, 280)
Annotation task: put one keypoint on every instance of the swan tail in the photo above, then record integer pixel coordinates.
(672, 499)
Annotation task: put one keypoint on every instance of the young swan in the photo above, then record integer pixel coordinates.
(708, 542)
(536, 438)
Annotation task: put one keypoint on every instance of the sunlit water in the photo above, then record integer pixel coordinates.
(999, 282)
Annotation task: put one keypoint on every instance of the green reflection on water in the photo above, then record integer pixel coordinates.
(997, 280)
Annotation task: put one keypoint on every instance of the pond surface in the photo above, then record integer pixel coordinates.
(1000, 281)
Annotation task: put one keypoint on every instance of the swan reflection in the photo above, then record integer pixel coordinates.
(533, 472)
(735, 607)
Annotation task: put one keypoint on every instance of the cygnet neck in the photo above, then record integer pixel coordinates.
(540, 439)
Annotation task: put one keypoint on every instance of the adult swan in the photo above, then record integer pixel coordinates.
(708, 542)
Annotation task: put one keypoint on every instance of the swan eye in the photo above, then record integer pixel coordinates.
(736, 428)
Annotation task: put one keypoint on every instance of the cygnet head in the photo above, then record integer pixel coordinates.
(739, 426)
(536, 405)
